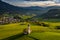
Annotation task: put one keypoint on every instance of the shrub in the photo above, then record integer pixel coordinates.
(57, 27)
(45, 25)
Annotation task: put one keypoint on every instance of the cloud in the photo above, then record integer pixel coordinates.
(31, 0)
(57, 1)
(25, 3)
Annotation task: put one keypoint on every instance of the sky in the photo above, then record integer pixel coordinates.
(28, 3)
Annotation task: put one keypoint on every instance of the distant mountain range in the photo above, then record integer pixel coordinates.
(5, 7)
(51, 14)
(38, 11)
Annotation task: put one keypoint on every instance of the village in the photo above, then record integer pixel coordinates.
(7, 20)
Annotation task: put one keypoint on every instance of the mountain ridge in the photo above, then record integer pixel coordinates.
(5, 7)
(51, 14)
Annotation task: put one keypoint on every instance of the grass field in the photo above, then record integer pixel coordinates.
(14, 32)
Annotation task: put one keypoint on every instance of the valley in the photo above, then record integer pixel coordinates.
(14, 21)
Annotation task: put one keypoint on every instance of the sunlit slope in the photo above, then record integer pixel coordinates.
(14, 31)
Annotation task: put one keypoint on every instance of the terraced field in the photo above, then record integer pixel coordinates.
(15, 32)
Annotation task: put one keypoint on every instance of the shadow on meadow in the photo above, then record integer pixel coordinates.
(14, 37)
(18, 36)
(33, 38)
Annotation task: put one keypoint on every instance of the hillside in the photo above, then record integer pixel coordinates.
(15, 32)
(37, 10)
(52, 14)
(28, 12)
(5, 7)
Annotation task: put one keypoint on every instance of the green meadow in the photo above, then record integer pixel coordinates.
(15, 32)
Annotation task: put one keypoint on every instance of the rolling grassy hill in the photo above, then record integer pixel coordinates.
(14, 32)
